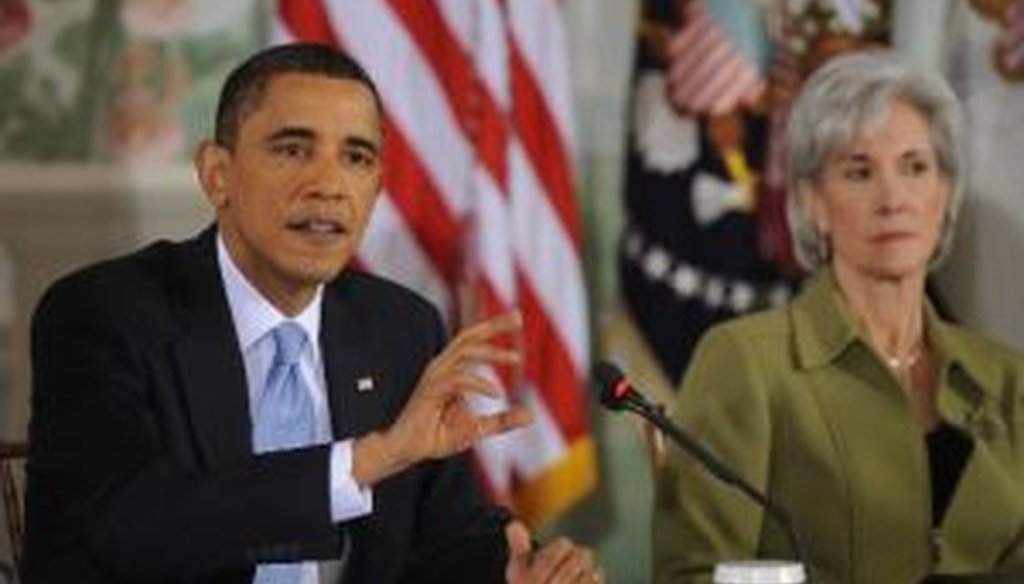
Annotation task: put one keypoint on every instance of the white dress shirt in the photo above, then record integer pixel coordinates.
(254, 318)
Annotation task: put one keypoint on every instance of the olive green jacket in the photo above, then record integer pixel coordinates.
(797, 401)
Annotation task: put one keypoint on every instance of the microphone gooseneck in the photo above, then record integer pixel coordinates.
(617, 393)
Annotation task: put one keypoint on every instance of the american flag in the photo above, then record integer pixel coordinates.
(478, 211)
(707, 73)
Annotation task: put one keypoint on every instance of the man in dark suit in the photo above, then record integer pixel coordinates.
(152, 375)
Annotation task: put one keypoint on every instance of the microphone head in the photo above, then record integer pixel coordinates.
(611, 385)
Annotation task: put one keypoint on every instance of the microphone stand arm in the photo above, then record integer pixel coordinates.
(693, 447)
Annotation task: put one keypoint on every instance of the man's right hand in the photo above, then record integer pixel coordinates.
(557, 562)
(437, 421)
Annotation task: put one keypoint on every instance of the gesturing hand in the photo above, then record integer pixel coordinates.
(556, 562)
(437, 421)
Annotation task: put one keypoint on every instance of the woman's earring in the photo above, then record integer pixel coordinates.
(824, 247)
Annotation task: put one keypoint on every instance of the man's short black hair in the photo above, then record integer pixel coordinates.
(245, 86)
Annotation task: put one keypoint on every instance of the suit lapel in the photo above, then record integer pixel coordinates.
(972, 531)
(212, 372)
(355, 383)
(208, 360)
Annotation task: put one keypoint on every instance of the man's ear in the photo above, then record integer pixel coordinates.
(211, 162)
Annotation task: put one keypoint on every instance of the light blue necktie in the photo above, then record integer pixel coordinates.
(284, 419)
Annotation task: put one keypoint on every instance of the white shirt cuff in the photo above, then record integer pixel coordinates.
(348, 499)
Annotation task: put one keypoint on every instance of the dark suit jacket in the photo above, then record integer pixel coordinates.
(141, 467)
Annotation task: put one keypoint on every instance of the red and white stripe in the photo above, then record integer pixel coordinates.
(479, 209)
(707, 73)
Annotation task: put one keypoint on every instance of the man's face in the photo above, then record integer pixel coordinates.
(294, 194)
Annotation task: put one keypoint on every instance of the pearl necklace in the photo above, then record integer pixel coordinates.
(897, 364)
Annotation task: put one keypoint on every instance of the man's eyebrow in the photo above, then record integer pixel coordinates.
(360, 142)
(303, 133)
(291, 132)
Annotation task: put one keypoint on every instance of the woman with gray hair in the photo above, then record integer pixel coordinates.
(893, 438)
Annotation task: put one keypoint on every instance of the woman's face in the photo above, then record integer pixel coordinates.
(881, 200)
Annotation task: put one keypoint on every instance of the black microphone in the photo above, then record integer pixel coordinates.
(617, 394)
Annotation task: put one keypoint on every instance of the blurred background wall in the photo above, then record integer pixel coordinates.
(102, 102)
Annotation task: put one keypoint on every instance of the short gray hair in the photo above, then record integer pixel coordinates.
(840, 100)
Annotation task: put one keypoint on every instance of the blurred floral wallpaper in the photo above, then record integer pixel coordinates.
(127, 82)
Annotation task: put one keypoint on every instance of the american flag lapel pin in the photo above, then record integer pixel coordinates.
(364, 384)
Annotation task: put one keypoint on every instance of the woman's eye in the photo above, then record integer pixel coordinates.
(856, 173)
(918, 167)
